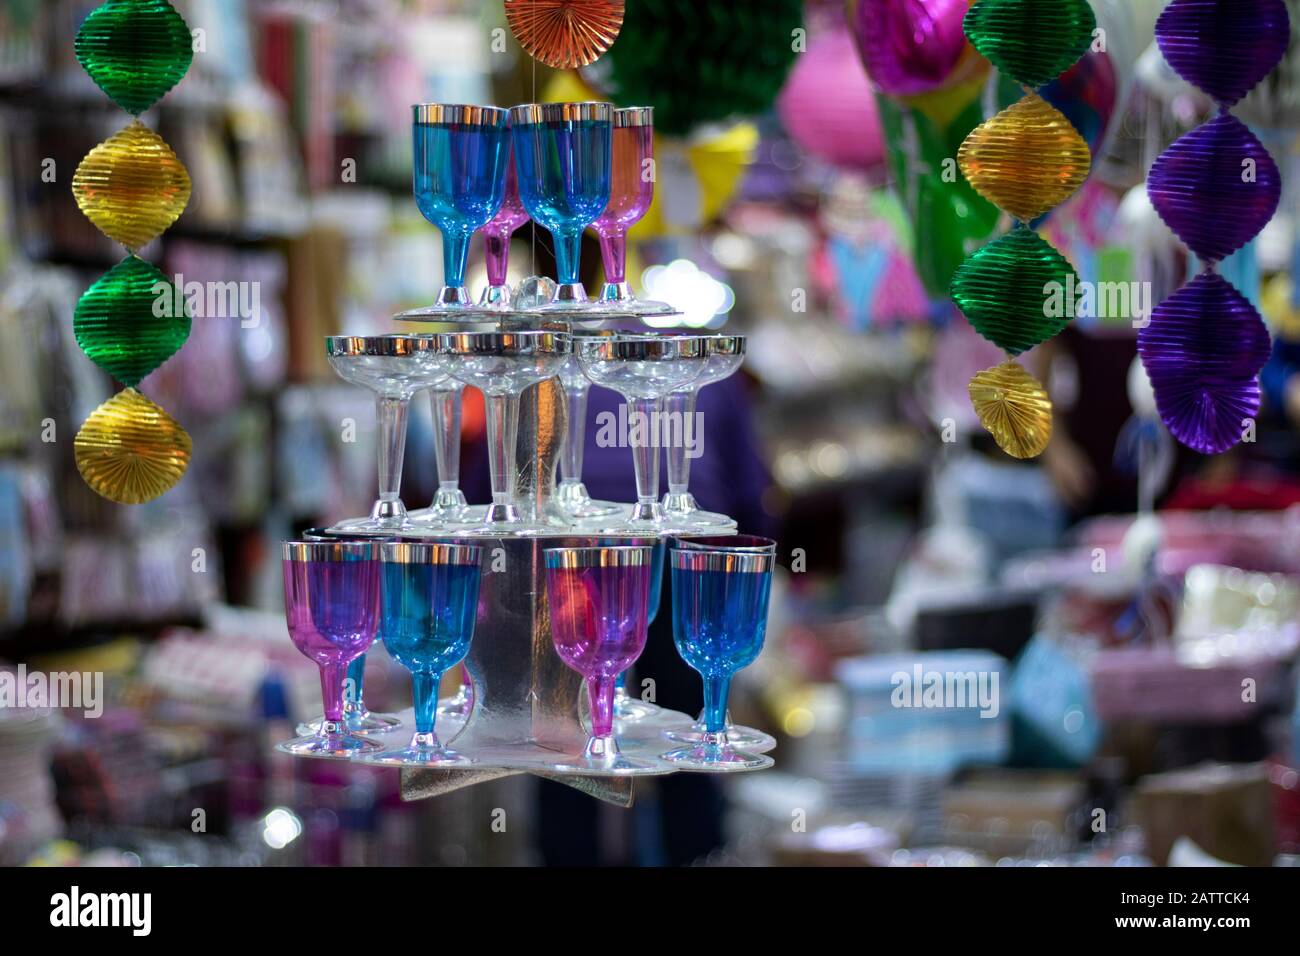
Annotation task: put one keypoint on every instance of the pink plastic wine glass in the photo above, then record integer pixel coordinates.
(496, 235)
(331, 604)
(632, 189)
(598, 598)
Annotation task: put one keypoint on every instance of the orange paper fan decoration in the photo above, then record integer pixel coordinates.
(565, 34)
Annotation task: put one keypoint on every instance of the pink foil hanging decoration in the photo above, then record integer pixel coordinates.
(909, 46)
(1216, 187)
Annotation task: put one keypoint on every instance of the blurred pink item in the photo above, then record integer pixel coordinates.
(909, 46)
(828, 108)
(1156, 685)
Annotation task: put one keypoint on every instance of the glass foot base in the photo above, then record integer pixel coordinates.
(629, 709)
(370, 526)
(329, 745)
(614, 766)
(420, 757)
(618, 296)
(573, 499)
(737, 736)
(363, 723)
(699, 520)
(716, 758)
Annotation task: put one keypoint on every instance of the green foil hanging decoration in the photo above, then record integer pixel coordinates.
(1032, 41)
(1014, 290)
(135, 51)
(1018, 290)
(132, 187)
(127, 322)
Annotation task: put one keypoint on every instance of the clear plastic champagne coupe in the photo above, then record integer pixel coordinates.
(394, 367)
(502, 365)
(643, 368)
(724, 355)
(571, 493)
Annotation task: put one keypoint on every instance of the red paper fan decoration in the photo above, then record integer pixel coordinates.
(565, 34)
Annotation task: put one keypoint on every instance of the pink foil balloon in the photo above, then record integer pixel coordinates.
(828, 108)
(908, 46)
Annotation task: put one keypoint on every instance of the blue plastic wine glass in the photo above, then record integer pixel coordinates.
(628, 708)
(460, 177)
(429, 606)
(563, 160)
(746, 738)
(720, 602)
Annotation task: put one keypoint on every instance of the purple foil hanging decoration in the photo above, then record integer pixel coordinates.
(1216, 187)
(1224, 47)
(1203, 350)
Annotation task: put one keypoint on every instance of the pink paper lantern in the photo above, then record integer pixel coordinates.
(828, 108)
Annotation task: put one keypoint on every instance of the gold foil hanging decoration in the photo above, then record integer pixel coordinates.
(131, 451)
(1027, 159)
(1014, 408)
(132, 187)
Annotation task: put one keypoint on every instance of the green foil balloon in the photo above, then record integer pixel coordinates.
(1033, 41)
(127, 322)
(1016, 291)
(949, 219)
(135, 51)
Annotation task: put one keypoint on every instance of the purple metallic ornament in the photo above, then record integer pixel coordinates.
(908, 46)
(1209, 415)
(1216, 187)
(1203, 351)
(1224, 47)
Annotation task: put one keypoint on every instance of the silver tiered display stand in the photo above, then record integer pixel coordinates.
(528, 706)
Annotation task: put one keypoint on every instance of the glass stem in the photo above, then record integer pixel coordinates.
(613, 251)
(498, 255)
(331, 689)
(575, 437)
(715, 702)
(352, 684)
(425, 688)
(502, 427)
(600, 692)
(455, 251)
(446, 434)
(392, 445)
(645, 452)
(680, 407)
(568, 249)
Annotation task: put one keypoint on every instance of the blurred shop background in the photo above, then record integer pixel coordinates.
(1137, 605)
